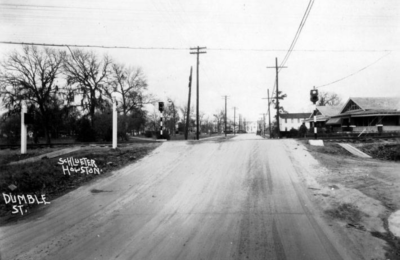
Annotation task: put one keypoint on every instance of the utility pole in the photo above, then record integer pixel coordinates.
(269, 113)
(188, 107)
(226, 97)
(240, 122)
(198, 52)
(264, 123)
(269, 116)
(174, 113)
(234, 121)
(277, 93)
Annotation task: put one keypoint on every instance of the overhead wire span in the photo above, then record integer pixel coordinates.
(354, 73)
(176, 48)
(93, 46)
(297, 35)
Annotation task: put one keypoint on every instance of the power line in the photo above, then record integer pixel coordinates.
(352, 74)
(297, 35)
(177, 48)
(16, 6)
(93, 46)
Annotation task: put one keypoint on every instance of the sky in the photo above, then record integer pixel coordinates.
(243, 38)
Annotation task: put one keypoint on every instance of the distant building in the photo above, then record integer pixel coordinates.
(292, 120)
(369, 114)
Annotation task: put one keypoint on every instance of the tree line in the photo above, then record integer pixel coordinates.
(71, 92)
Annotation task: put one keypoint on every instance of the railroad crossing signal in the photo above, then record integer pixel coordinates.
(314, 95)
(161, 106)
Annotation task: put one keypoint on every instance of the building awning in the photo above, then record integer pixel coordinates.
(334, 121)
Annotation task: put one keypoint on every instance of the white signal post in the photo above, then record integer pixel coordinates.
(23, 129)
(115, 115)
(314, 99)
(315, 120)
(161, 109)
(161, 124)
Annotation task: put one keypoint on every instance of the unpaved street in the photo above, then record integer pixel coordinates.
(236, 199)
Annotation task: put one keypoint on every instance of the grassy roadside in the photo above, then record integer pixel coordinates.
(369, 192)
(49, 177)
(383, 151)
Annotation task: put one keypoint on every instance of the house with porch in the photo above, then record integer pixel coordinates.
(370, 114)
(323, 114)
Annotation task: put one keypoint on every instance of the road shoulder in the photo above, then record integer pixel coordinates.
(351, 217)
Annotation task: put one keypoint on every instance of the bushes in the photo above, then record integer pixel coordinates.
(293, 132)
(148, 134)
(10, 128)
(384, 151)
(85, 133)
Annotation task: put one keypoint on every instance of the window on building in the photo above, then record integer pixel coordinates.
(285, 120)
(298, 120)
(292, 120)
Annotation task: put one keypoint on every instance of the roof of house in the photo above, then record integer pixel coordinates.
(329, 110)
(372, 106)
(377, 103)
(326, 113)
(371, 112)
(295, 115)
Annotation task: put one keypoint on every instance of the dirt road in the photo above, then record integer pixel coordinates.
(234, 199)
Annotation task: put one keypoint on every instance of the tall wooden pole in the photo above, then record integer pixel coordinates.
(276, 67)
(269, 116)
(197, 83)
(188, 107)
(234, 121)
(225, 116)
(277, 98)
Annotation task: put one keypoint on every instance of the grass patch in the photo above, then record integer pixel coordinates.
(389, 152)
(345, 212)
(392, 247)
(46, 176)
(7, 156)
(393, 244)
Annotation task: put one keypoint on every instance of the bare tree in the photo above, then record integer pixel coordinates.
(201, 119)
(329, 99)
(89, 77)
(219, 118)
(184, 111)
(152, 121)
(171, 115)
(131, 84)
(31, 77)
